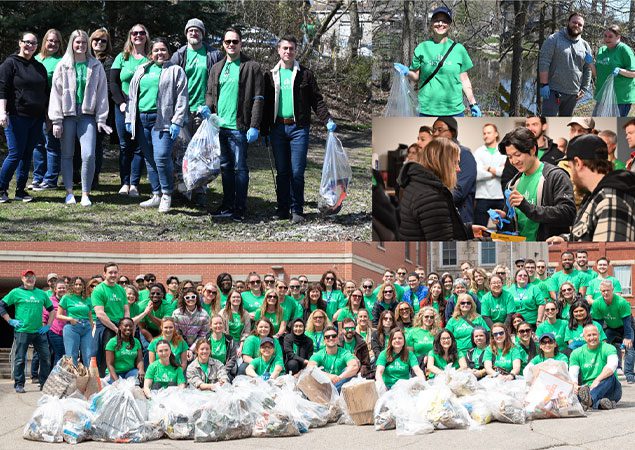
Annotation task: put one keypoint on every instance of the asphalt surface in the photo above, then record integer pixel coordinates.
(599, 430)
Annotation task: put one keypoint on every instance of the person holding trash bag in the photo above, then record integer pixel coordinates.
(124, 355)
(235, 91)
(616, 59)
(23, 100)
(440, 66)
(502, 358)
(267, 365)
(291, 92)
(30, 303)
(157, 110)
(163, 372)
(338, 364)
(78, 108)
(205, 373)
(444, 352)
(564, 68)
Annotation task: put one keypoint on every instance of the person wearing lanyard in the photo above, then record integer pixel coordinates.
(316, 324)
(267, 366)
(205, 373)
(333, 297)
(339, 364)
(528, 299)
(74, 308)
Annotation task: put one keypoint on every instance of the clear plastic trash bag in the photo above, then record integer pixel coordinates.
(336, 176)
(226, 418)
(402, 101)
(201, 162)
(46, 423)
(178, 409)
(551, 394)
(179, 148)
(606, 103)
(440, 407)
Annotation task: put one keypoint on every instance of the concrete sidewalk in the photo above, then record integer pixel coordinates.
(601, 430)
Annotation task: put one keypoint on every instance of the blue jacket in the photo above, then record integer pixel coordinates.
(465, 190)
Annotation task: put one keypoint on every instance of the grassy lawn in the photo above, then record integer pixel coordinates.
(119, 218)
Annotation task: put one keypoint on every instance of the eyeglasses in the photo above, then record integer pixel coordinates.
(269, 281)
(284, 288)
(524, 331)
(446, 338)
(549, 309)
(272, 296)
(156, 294)
(231, 41)
(304, 281)
(401, 273)
(498, 333)
(254, 282)
(101, 41)
(295, 286)
(547, 342)
(440, 130)
(404, 309)
(152, 280)
(189, 297)
(329, 279)
(367, 286)
(211, 292)
(388, 292)
(330, 336)
(349, 329)
(465, 303)
(138, 33)
(501, 273)
(356, 296)
(428, 317)
(522, 275)
(566, 289)
(387, 318)
(123, 282)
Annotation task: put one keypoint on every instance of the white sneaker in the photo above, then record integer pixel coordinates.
(70, 199)
(124, 190)
(153, 202)
(133, 192)
(166, 202)
(86, 201)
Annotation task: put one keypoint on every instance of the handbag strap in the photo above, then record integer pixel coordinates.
(438, 67)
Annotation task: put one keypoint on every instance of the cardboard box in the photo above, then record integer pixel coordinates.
(314, 390)
(360, 400)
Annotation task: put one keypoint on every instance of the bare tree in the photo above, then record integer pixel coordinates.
(408, 30)
(356, 31)
(520, 19)
(326, 24)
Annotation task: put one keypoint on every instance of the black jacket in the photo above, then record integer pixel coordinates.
(304, 352)
(555, 210)
(24, 85)
(379, 308)
(213, 56)
(552, 155)
(251, 90)
(361, 353)
(306, 97)
(427, 208)
(465, 189)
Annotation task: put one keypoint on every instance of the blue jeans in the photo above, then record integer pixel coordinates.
(157, 149)
(130, 155)
(78, 338)
(233, 168)
(84, 127)
(22, 134)
(40, 345)
(57, 346)
(608, 388)
(341, 383)
(615, 336)
(624, 109)
(99, 155)
(132, 373)
(559, 104)
(290, 145)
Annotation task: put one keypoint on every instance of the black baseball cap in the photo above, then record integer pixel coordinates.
(442, 10)
(586, 147)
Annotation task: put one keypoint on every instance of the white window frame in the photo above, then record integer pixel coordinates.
(624, 273)
(480, 254)
(441, 252)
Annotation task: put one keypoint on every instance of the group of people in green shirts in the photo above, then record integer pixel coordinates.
(409, 324)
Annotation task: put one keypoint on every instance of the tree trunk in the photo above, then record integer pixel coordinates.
(520, 19)
(408, 31)
(356, 31)
(541, 39)
(324, 26)
(631, 15)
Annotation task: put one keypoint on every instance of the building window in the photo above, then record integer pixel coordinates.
(487, 253)
(624, 275)
(448, 254)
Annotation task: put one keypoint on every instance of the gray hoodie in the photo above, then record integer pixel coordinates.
(563, 58)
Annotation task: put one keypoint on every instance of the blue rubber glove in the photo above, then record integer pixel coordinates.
(44, 329)
(497, 218)
(475, 110)
(330, 125)
(545, 92)
(15, 323)
(588, 58)
(174, 131)
(129, 128)
(252, 135)
(403, 70)
(204, 111)
(511, 211)
(616, 71)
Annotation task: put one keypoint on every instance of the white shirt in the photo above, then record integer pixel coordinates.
(488, 186)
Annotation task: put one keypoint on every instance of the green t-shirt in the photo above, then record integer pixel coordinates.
(144, 295)
(112, 298)
(350, 346)
(333, 364)
(420, 340)
(440, 362)
(611, 314)
(165, 310)
(135, 308)
(251, 303)
(541, 286)
(261, 366)
(576, 335)
(593, 289)
(124, 357)
(462, 331)
(591, 362)
(369, 302)
(528, 187)
(75, 306)
(285, 101)
(236, 326)
(223, 299)
(149, 89)
(127, 69)
(318, 339)
(505, 361)
(251, 347)
(559, 329)
(540, 359)
(346, 313)
(164, 376)
(606, 61)
(49, 63)
(177, 349)
(577, 278)
(28, 307)
(397, 369)
(476, 358)
(443, 95)
(228, 94)
(497, 308)
(334, 300)
(527, 301)
(196, 72)
(291, 309)
(81, 69)
(618, 165)
(219, 349)
(273, 317)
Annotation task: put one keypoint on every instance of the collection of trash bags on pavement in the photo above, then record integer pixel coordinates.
(289, 406)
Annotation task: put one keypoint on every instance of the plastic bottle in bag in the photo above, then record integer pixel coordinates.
(201, 162)
(606, 105)
(402, 101)
(336, 175)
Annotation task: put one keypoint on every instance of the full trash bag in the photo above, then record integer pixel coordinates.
(179, 147)
(77, 420)
(439, 406)
(201, 162)
(226, 418)
(178, 409)
(606, 100)
(62, 381)
(551, 394)
(336, 176)
(46, 423)
(121, 415)
(402, 101)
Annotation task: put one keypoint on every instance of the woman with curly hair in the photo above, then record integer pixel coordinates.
(272, 310)
(190, 319)
(420, 337)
